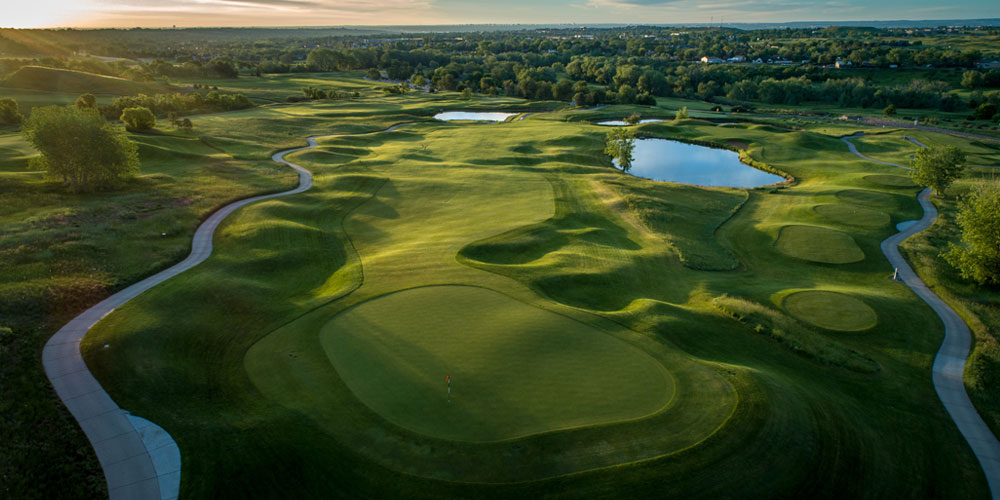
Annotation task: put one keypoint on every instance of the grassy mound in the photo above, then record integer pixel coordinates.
(64, 80)
(890, 180)
(866, 197)
(819, 244)
(853, 215)
(795, 336)
(515, 369)
(831, 310)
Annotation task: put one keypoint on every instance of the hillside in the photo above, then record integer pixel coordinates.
(63, 80)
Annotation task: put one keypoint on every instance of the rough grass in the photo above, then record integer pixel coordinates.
(794, 335)
(830, 310)
(37, 78)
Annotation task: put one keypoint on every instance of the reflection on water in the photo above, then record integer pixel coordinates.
(672, 161)
(621, 123)
(483, 116)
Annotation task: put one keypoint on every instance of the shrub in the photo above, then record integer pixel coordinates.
(138, 118)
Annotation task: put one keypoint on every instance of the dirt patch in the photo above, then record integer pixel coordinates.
(737, 144)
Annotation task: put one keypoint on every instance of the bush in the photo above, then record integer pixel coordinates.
(985, 111)
(138, 118)
(99, 156)
(9, 113)
(889, 110)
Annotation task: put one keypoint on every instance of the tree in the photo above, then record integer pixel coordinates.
(80, 148)
(978, 257)
(985, 111)
(889, 110)
(633, 119)
(937, 167)
(373, 74)
(681, 113)
(972, 79)
(9, 113)
(138, 118)
(185, 124)
(467, 93)
(86, 101)
(619, 144)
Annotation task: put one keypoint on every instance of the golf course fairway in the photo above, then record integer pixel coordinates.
(606, 336)
(515, 369)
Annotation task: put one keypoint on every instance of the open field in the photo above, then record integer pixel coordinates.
(607, 336)
(536, 219)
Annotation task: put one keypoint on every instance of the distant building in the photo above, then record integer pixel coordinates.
(842, 64)
(737, 59)
(712, 60)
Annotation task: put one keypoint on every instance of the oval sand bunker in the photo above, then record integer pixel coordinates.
(515, 369)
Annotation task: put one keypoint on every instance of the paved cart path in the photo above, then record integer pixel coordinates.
(949, 363)
(140, 460)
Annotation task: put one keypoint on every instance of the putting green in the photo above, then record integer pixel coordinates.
(831, 310)
(819, 244)
(890, 180)
(853, 215)
(515, 369)
(866, 197)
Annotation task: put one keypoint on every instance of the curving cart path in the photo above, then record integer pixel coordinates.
(949, 363)
(140, 460)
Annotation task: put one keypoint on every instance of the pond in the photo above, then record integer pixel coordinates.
(621, 123)
(673, 161)
(481, 116)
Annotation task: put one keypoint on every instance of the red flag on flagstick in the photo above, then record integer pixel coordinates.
(447, 378)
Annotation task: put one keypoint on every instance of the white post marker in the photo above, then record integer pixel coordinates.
(447, 379)
(895, 274)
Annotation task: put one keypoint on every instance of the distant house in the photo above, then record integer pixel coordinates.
(842, 64)
(712, 60)
(737, 59)
(758, 61)
(991, 64)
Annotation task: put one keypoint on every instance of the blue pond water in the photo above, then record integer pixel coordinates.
(672, 161)
(483, 116)
(621, 123)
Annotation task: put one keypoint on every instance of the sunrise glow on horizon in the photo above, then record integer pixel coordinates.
(205, 13)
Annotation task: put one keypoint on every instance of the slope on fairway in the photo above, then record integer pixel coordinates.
(515, 369)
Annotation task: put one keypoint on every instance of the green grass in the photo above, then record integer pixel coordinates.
(36, 78)
(515, 369)
(818, 244)
(234, 357)
(854, 215)
(830, 310)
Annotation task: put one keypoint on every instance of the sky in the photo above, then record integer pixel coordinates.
(188, 13)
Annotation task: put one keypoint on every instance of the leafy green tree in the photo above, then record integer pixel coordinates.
(978, 257)
(889, 110)
(185, 124)
(373, 74)
(682, 113)
(80, 148)
(418, 80)
(633, 119)
(86, 101)
(467, 93)
(9, 113)
(985, 111)
(138, 118)
(619, 144)
(937, 167)
(972, 79)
